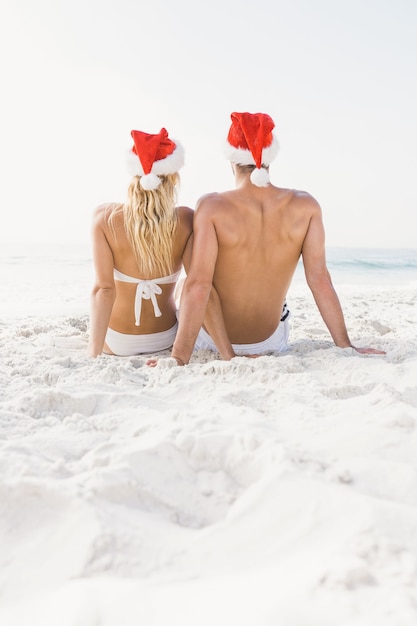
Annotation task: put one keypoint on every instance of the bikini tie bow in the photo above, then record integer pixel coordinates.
(146, 290)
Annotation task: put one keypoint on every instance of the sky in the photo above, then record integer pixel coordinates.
(337, 76)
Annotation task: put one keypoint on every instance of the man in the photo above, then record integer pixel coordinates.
(247, 243)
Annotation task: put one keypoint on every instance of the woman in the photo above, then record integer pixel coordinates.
(138, 253)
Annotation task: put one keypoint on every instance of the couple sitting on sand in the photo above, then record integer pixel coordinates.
(239, 249)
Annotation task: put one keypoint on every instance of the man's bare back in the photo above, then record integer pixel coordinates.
(260, 234)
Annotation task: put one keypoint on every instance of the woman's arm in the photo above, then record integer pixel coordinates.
(104, 290)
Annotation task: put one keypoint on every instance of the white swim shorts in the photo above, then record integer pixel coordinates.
(277, 342)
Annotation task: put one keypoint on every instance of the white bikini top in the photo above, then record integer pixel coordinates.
(146, 290)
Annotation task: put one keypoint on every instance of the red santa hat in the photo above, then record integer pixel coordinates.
(152, 156)
(251, 142)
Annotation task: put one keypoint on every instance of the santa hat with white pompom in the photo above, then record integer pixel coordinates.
(153, 156)
(251, 142)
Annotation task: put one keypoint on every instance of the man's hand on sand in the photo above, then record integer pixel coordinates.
(368, 350)
(154, 362)
(172, 361)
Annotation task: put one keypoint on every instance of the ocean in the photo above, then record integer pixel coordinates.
(369, 266)
(56, 279)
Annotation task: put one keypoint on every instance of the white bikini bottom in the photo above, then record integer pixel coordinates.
(277, 342)
(122, 344)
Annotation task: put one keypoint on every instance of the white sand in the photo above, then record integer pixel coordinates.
(276, 491)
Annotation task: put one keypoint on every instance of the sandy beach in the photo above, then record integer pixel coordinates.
(281, 490)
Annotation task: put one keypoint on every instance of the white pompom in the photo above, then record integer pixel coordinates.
(149, 182)
(260, 177)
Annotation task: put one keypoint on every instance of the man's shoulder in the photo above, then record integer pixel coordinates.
(301, 194)
(212, 201)
(303, 199)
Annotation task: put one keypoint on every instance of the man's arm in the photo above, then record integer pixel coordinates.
(104, 291)
(215, 326)
(319, 281)
(196, 293)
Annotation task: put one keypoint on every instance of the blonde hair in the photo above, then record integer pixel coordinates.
(150, 222)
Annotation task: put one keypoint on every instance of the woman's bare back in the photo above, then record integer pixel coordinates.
(122, 316)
